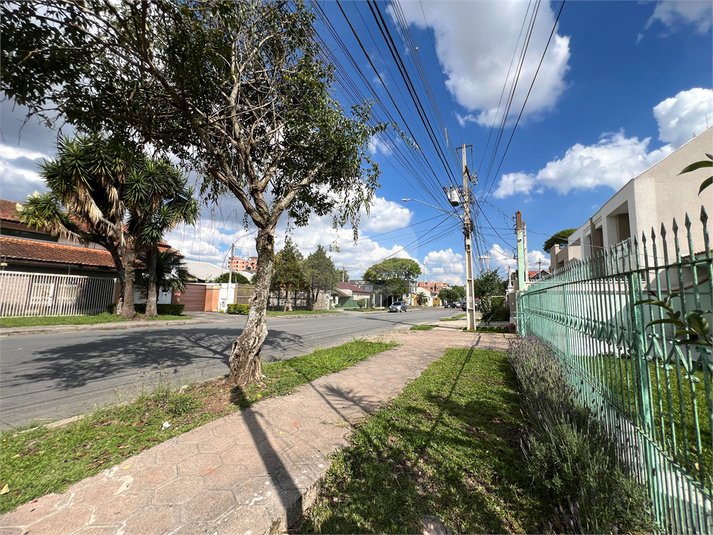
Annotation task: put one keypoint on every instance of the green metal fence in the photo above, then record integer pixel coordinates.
(653, 393)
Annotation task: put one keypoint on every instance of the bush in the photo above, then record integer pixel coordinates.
(572, 460)
(111, 308)
(162, 310)
(238, 308)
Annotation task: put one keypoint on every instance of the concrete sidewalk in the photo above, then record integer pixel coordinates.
(251, 472)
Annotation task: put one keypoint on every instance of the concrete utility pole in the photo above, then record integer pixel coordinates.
(521, 261)
(230, 272)
(487, 260)
(467, 230)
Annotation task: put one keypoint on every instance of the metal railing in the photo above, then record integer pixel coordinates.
(34, 294)
(652, 392)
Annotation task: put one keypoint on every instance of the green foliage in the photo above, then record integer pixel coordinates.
(362, 302)
(238, 308)
(395, 288)
(237, 278)
(460, 290)
(422, 327)
(289, 274)
(449, 295)
(393, 268)
(557, 238)
(421, 299)
(171, 271)
(111, 308)
(701, 165)
(163, 309)
(571, 459)
(320, 273)
(692, 329)
(487, 284)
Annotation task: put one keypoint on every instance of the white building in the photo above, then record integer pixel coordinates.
(656, 196)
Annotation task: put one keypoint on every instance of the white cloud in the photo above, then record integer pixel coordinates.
(501, 259)
(675, 14)
(475, 42)
(385, 216)
(377, 145)
(444, 266)
(688, 113)
(615, 159)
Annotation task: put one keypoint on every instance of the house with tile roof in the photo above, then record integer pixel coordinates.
(347, 295)
(29, 250)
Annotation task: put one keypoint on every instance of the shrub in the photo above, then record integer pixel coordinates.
(238, 308)
(111, 308)
(162, 310)
(572, 460)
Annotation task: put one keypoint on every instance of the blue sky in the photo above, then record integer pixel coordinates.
(622, 85)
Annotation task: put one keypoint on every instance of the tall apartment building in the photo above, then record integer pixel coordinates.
(435, 287)
(242, 264)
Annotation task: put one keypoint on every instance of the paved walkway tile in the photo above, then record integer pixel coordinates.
(251, 472)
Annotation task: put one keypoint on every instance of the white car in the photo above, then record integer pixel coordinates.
(398, 306)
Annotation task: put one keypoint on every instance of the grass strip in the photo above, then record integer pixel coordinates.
(422, 327)
(105, 317)
(38, 461)
(448, 446)
(454, 318)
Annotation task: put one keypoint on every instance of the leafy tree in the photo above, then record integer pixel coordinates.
(157, 199)
(487, 284)
(289, 274)
(236, 90)
(320, 272)
(448, 295)
(460, 290)
(395, 288)
(171, 272)
(237, 278)
(557, 238)
(393, 268)
(421, 299)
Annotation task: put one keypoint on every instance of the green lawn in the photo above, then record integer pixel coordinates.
(422, 327)
(671, 415)
(77, 320)
(448, 446)
(43, 460)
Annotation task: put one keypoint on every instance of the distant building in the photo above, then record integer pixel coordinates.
(243, 264)
(656, 196)
(434, 287)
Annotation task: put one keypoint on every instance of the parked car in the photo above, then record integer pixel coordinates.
(398, 306)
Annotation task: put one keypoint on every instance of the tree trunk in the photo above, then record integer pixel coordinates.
(245, 360)
(127, 309)
(120, 275)
(152, 293)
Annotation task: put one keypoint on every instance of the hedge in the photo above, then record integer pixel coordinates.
(238, 308)
(163, 310)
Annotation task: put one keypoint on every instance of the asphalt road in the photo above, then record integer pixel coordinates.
(55, 376)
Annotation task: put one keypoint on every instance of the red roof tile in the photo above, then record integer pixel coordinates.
(8, 211)
(347, 286)
(39, 251)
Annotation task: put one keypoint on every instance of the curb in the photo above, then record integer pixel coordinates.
(50, 329)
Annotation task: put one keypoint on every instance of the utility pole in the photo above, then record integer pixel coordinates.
(487, 260)
(521, 262)
(470, 303)
(230, 272)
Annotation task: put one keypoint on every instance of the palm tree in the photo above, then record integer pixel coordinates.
(157, 199)
(171, 272)
(87, 179)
